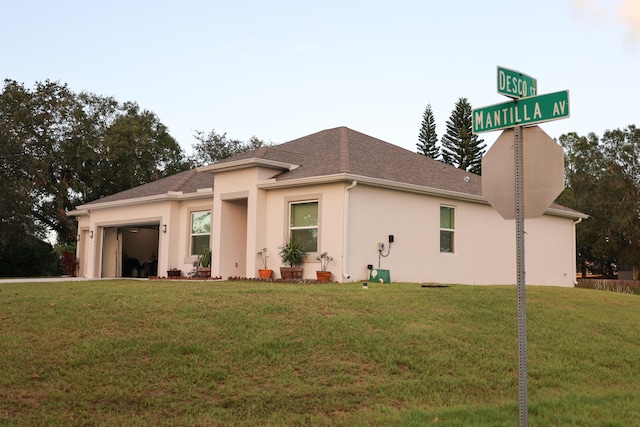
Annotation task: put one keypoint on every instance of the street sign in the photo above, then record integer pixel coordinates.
(524, 111)
(543, 173)
(522, 174)
(514, 84)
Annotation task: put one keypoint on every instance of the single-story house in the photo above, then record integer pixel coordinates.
(367, 203)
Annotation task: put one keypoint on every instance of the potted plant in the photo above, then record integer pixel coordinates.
(323, 275)
(264, 273)
(292, 255)
(174, 272)
(203, 268)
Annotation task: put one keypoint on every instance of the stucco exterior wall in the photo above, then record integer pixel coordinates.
(238, 216)
(484, 242)
(330, 199)
(549, 251)
(250, 218)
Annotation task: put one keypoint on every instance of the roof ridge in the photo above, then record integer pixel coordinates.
(184, 180)
(260, 152)
(344, 149)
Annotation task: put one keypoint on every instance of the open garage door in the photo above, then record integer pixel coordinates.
(130, 250)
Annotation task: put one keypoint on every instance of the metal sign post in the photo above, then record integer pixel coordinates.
(522, 297)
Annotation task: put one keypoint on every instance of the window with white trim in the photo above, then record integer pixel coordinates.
(303, 224)
(447, 229)
(200, 231)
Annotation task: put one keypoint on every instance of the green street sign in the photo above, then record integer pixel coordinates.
(514, 84)
(524, 111)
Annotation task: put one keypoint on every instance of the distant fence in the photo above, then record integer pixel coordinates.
(611, 285)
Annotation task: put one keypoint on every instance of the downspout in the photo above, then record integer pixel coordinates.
(345, 224)
(575, 278)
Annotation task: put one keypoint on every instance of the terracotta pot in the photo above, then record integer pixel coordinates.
(323, 276)
(291, 273)
(265, 274)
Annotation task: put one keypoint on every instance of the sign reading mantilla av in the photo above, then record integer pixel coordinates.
(520, 112)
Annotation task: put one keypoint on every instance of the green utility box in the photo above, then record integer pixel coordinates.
(380, 276)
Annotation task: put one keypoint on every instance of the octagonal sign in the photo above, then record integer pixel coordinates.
(543, 161)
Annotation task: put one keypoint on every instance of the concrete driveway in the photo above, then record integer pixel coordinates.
(45, 279)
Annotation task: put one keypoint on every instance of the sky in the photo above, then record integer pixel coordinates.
(280, 70)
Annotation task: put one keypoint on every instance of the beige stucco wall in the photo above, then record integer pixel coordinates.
(330, 199)
(250, 218)
(236, 205)
(549, 251)
(484, 242)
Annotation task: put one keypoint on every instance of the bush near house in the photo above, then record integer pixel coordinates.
(24, 255)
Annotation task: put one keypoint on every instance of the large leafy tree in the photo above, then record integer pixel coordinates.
(60, 149)
(136, 148)
(460, 147)
(16, 161)
(428, 138)
(603, 181)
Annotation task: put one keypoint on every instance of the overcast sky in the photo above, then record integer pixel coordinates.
(280, 70)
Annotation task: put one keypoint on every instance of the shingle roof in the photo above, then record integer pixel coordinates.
(345, 151)
(330, 152)
(187, 182)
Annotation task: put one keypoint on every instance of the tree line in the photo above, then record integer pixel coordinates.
(603, 180)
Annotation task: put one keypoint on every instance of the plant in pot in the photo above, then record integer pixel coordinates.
(264, 273)
(203, 267)
(323, 275)
(174, 272)
(292, 255)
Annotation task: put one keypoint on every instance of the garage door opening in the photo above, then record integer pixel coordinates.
(131, 251)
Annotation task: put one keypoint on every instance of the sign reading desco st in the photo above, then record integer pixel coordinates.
(524, 111)
(515, 84)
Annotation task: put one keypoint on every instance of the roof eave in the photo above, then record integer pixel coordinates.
(203, 193)
(374, 182)
(247, 163)
(566, 213)
(412, 188)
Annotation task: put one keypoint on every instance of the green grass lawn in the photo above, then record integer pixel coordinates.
(249, 353)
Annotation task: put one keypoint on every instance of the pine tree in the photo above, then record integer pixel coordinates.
(460, 147)
(428, 137)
